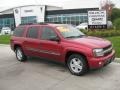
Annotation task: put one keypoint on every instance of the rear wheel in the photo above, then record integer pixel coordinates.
(20, 54)
(77, 64)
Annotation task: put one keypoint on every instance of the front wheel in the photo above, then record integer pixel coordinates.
(77, 64)
(20, 54)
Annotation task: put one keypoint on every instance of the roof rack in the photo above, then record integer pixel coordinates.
(55, 22)
(32, 23)
(42, 23)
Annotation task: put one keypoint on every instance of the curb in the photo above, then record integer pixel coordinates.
(4, 45)
(117, 60)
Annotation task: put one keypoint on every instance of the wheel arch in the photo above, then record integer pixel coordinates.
(75, 52)
(16, 45)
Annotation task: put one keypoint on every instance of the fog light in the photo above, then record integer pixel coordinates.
(100, 63)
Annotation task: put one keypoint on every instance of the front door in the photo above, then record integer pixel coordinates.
(49, 48)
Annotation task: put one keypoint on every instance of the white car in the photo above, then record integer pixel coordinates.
(109, 25)
(82, 26)
(5, 30)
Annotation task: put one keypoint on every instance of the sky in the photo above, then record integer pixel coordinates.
(66, 4)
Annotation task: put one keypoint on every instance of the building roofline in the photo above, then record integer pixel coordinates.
(28, 5)
(69, 11)
(80, 8)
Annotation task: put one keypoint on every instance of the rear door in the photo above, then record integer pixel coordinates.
(48, 48)
(31, 42)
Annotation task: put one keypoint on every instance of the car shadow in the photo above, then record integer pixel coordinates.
(101, 72)
(48, 63)
(63, 68)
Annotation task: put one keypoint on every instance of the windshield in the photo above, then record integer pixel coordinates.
(68, 31)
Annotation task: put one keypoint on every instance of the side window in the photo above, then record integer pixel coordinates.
(48, 33)
(32, 32)
(18, 32)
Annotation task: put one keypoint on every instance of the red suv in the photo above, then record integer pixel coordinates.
(63, 43)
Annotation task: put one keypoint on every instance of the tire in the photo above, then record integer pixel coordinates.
(20, 54)
(77, 64)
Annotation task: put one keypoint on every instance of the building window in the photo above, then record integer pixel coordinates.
(7, 22)
(74, 19)
(30, 19)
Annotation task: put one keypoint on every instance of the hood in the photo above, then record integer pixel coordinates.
(92, 42)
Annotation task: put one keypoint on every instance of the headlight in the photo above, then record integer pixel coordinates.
(98, 52)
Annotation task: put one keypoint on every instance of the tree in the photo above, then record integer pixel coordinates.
(117, 24)
(107, 5)
(115, 14)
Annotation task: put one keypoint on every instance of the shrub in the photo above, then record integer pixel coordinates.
(102, 33)
(117, 24)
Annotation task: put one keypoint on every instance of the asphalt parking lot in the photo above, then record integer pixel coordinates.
(38, 74)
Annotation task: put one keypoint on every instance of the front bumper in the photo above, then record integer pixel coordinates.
(101, 61)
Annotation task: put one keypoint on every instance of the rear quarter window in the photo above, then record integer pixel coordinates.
(19, 32)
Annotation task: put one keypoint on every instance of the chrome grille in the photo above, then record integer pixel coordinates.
(107, 50)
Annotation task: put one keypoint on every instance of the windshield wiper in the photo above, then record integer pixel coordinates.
(71, 37)
(75, 36)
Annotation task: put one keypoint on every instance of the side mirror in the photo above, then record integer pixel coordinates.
(56, 38)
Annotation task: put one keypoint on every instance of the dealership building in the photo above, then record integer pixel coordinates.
(42, 13)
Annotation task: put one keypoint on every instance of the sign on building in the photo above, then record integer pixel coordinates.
(29, 13)
(97, 19)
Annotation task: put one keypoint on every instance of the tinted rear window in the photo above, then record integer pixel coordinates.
(32, 32)
(18, 32)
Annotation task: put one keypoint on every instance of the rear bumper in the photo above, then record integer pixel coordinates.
(95, 63)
